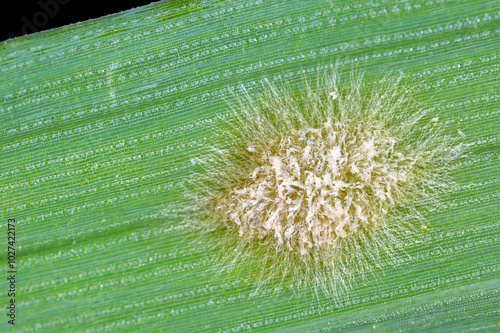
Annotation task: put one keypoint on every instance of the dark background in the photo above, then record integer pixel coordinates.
(28, 16)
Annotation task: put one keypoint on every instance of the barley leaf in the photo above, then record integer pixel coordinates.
(101, 121)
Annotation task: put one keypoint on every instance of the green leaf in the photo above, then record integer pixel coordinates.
(100, 122)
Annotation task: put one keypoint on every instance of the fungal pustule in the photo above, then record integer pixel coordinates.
(312, 188)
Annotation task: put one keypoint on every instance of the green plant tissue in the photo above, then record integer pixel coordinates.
(101, 120)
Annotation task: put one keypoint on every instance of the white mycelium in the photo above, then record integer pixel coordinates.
(312, 186)
(315, 187)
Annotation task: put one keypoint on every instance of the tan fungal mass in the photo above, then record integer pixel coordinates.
(310, 188)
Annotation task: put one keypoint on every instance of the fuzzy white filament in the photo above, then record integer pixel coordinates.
(315, 187)
(312, 186)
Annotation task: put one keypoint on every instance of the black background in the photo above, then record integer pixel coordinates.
(15, 13)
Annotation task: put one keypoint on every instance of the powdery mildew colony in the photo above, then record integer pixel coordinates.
(322, 184)
(314, 186)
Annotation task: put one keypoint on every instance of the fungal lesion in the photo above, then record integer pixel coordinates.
(318, 185)
(308, 188)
